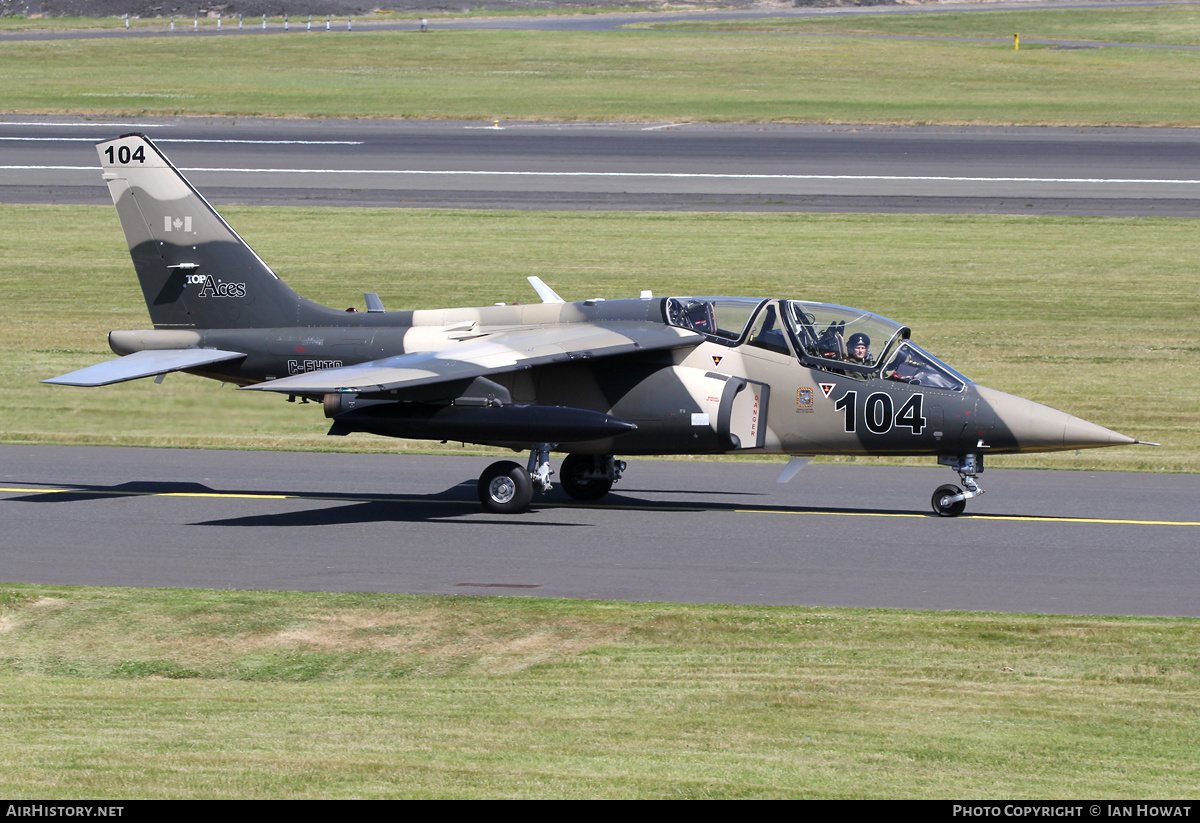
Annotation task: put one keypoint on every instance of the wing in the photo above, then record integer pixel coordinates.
(143, 364)
(499, 353)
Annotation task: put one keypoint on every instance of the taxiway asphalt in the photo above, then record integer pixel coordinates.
(1037, 541)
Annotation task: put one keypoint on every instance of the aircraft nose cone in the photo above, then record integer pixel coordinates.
(1035, 427)
(1080, 434)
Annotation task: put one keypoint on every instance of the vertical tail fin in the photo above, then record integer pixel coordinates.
(194, 269)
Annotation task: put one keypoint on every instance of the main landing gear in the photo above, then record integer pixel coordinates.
(507, 487)
(950, 501)
(589, 477)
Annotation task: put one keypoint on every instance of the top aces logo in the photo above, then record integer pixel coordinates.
(211, 287)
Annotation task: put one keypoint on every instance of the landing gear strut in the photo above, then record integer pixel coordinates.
(539, 467)
(948, 500)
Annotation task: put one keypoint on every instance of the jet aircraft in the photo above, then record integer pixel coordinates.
(592, 379)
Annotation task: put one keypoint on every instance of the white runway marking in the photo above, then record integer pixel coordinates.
(89, 125)
(191, 140)
(667, 175)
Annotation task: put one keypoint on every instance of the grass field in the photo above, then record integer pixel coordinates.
(183, 22)
(1167, 26)
(638, 75)
(297, 22)
(117, 693)
(1104, 326)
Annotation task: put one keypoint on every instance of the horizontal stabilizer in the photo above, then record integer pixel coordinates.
(143, 364)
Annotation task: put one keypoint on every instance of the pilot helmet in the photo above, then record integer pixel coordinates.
(858, 339)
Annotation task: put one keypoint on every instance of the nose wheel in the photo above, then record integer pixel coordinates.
(948, 502)
(951, 501)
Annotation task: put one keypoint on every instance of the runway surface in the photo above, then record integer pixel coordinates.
(664, 166)
(1037, 541)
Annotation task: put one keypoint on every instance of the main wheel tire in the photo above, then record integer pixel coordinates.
(951, 510)
(574, 482)
(505, 488)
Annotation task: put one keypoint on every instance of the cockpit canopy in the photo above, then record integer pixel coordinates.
(723, 319)
(821, 335)
(828, 332)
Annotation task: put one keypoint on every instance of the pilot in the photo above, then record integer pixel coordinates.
(858, 349)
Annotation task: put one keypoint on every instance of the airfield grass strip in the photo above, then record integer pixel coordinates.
(297, 22)
(632, 75)
(120, 693)
(186, 22)
(1166, 26)
(1095, 316)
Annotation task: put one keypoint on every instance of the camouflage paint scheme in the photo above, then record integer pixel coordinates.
(679, 375)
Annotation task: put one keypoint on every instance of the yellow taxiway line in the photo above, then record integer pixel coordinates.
(652, 507)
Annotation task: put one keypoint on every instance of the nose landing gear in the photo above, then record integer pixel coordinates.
(948, 500)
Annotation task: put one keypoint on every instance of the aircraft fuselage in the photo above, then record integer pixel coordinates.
(722, 397)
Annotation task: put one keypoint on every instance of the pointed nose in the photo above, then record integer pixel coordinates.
(1031, 426)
